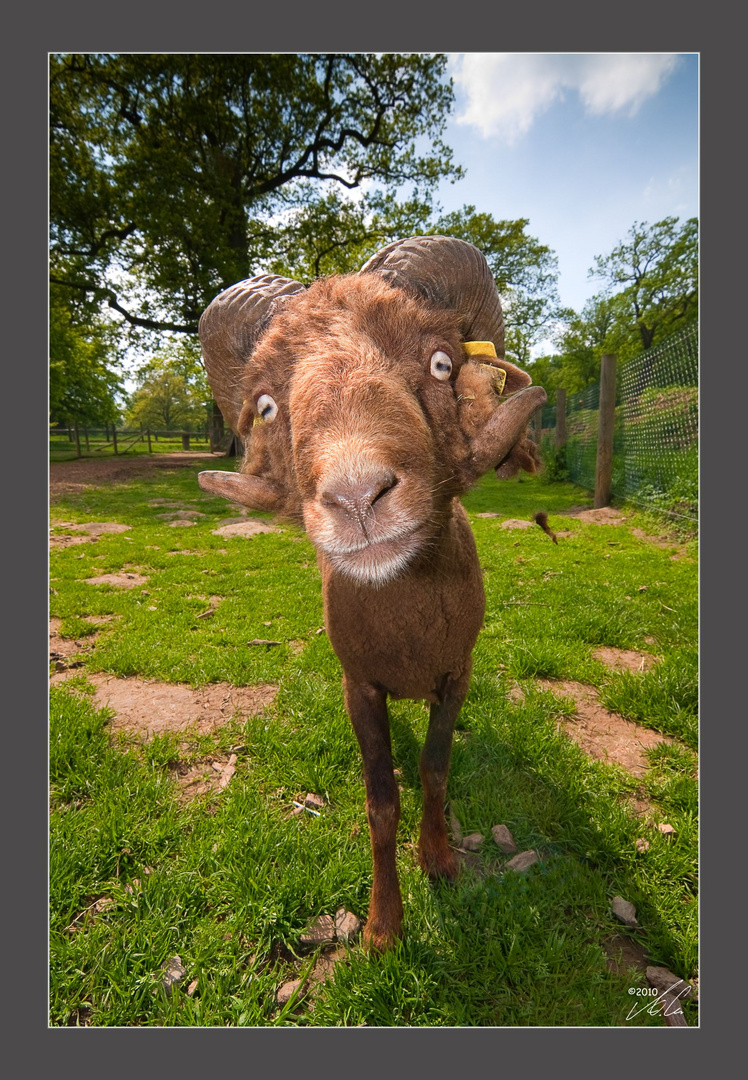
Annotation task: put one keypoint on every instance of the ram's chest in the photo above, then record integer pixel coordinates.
(407, 635)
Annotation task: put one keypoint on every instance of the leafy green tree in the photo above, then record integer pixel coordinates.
(652, 277)
(335, 235)
(172, 390)
(166, 400)
(84, 370)
(583, 339)
(173, 176)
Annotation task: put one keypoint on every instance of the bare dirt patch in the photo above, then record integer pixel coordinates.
(247, 529)
(175, 517)
(64, 648)
(604, 515)
(623, 954)
(65, 541)
(146, 707)
(625, 659)
(602, 734)
(122, 580)
(72, 477)
(664, 541)
(516, 523)
(208, 776)
(658, 541)
(92, 530)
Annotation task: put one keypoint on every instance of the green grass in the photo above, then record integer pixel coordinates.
(229, 881)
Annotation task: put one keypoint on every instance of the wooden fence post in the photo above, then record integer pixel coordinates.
(148, 433)
(560, 418)
(114, 438)
(185, 440)
(77, 441)
(85, 435)
(605, 426)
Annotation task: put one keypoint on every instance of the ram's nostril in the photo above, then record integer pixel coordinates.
(386, 486)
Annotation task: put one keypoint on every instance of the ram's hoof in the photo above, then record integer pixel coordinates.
(441, 865)
(379, 938)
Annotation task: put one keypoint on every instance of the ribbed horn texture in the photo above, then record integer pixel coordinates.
(229, 330)
(448, 272)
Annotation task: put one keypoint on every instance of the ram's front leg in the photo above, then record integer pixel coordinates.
(436, 857)
(367, 708)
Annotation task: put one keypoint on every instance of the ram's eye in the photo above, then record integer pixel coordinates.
(266, 408)
(441, 366)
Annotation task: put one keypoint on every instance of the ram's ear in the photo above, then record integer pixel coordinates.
(523, 455)
(245, 421)
(495, 438)
(515, 378)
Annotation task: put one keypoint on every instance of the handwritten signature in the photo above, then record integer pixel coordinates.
(668, 1003)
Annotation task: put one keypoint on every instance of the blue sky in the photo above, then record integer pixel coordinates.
(583, 145)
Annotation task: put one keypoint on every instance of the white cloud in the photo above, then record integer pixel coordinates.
(506, 92)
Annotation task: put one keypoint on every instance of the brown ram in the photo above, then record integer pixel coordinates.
(368, 404)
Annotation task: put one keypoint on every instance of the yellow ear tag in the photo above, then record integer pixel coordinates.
(479, 348)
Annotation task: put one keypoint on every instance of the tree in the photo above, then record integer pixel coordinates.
(525, 272)
(172, 389)
(652, 276)
(172, 176)
(583, 339)
(334, 235)
(84, 371)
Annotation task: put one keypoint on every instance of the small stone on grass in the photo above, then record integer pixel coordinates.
(173, 973)
(523, 861)
(287, 991)
(472, 842)
(504, 839)
(347, 926)
(624, 911)
(666, 983)
(319, 932)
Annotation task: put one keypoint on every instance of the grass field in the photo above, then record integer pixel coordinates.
(229, 880)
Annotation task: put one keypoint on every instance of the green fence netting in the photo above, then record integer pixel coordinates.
(656, 440)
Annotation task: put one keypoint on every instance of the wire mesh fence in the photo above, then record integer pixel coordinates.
(656, 433)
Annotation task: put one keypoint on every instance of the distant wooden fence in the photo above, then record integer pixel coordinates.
(94, 442)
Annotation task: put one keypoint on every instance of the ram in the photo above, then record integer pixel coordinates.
(368, 403)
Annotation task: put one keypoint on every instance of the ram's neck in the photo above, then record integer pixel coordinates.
(406, 634)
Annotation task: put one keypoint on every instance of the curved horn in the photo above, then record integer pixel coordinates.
(448, 272)
(229, 330)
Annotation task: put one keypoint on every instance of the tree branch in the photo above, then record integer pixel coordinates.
(114, 304)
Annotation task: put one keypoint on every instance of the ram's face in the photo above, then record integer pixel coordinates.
(371, 476)
(364, 418)
(365, 424)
